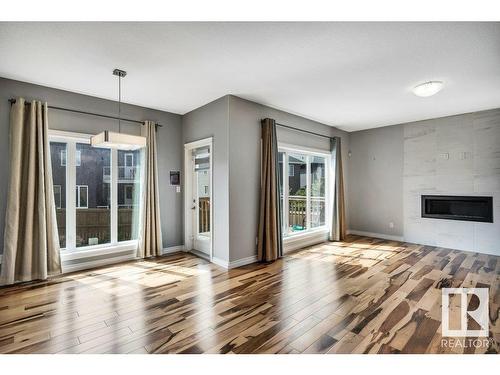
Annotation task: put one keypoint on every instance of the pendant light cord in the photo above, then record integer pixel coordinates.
(119, 103)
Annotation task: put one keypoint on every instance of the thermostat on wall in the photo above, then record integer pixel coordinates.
(175, 178)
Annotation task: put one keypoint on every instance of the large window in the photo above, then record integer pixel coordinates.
(303, 190)
(104, 208)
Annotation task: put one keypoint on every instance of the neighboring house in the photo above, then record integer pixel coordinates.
(93, 176)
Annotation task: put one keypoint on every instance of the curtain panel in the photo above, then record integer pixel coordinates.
(338, 222)
(31, 243)
(150, 239)
(269, 243)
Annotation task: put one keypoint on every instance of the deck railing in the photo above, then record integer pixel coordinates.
(124, 173)
(297, 212)
(204, 214)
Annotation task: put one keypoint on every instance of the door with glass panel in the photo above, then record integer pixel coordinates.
(201, 199)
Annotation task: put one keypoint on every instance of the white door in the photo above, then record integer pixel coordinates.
(201, 199)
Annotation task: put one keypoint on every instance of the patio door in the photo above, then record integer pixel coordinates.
(199, 197)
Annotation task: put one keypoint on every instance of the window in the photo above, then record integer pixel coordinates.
(63, 158)
(128, 194)
(129, 160)
(58, 158)
(303, 192)
(82, 196)
(103, 210)
(57, 196)
(78, 158)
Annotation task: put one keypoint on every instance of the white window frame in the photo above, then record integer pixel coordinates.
(288, 149)
(71, 251)
(58, 204)
(78, 193)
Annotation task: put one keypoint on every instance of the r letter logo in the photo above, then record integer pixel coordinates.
(479, 314)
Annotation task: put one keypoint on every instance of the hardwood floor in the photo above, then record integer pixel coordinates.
(360, 296)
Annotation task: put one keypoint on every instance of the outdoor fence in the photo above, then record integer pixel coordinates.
(94, 223)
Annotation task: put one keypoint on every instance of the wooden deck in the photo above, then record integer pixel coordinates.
(360, 296)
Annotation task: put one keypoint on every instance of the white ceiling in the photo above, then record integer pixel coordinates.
(350, 75)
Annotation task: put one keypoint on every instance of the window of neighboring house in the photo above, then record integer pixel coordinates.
(303, 192)
(63, 158)
(78, 158)
(129, 160)
(82, 196)
(57, 196)
(93, 215)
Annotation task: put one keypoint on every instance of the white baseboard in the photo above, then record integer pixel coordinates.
(243, 261)
(376, 235)
(301, 241)
(235, 263)
(172, 249)
(97, 263)
(220, 262)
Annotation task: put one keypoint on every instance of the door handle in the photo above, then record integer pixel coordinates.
(193, 208)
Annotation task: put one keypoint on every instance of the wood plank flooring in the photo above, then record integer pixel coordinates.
(363, 295)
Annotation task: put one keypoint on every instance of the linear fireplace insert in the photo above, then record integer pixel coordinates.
(468, 208)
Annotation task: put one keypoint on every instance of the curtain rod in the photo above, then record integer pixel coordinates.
(12, 101)
(304, 131)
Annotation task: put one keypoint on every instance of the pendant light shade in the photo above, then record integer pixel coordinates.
(121, 141)
(114, 140)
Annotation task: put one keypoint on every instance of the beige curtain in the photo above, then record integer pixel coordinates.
(150, 241)
(31, 243)
(338, 226)
(269, 244)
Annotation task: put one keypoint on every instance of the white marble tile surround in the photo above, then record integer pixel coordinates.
(458, 155)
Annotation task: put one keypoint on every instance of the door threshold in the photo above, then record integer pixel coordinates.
(200, 254)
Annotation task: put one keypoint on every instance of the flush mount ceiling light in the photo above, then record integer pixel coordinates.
(428, 88)
(121, 141)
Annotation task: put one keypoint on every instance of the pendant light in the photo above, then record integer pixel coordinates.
(108, 139)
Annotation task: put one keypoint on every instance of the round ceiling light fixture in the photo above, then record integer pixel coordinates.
(428, 88)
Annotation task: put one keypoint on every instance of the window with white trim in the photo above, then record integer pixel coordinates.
(303, 193)
(82, 196)
(104, 206)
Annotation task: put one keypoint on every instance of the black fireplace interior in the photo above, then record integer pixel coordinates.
(448, 207)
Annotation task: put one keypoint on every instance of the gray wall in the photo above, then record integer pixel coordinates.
(376, 169)
(391, 167)
(169, 141)
(211, 120)
(244, 164)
